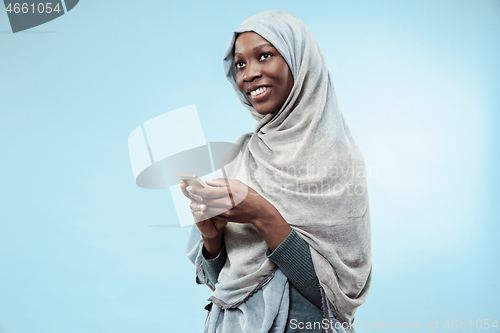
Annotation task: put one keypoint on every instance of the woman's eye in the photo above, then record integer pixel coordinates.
(265, 55)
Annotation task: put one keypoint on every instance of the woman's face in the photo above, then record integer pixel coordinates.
(262, 74)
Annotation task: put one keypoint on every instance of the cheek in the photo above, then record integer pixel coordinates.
(238, 80)
(285, 76)
(286, 81)
(239, 83)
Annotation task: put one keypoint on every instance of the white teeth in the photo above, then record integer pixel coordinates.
(258, 91)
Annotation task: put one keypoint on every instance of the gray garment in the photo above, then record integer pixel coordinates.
(257, 313)
(303, 159)
(265, 310)
(293, 257)
(301, 310)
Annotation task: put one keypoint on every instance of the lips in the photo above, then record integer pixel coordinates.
(261, 95)
(255, 87)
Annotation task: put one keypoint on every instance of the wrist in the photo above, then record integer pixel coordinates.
(271, 225)
(269, 219)
(212, 246)
(274, 229)
(263, 224)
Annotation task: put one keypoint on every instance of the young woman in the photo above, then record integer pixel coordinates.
(284, 240)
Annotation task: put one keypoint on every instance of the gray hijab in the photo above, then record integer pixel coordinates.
(303, 159)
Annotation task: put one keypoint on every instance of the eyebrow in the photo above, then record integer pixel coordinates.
(255, 48)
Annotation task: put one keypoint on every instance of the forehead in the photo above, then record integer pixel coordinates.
(248, 42)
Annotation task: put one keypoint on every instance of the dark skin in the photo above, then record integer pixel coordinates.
(259, 64)
(260, 68)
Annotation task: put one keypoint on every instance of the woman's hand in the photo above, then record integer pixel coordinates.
(211, 228)
(232, 200)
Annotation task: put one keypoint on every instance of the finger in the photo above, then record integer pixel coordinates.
(183, 186)
(220, 219)
(189, 195)
(197, 206)
(199, 217)
(218, 203)
(220, 222)
(217, 182)
(217, 212)
(192, 197)
(228, 183)
(220, 182)
(209, 193)
(195, 197)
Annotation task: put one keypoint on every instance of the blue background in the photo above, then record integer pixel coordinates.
(418, 84)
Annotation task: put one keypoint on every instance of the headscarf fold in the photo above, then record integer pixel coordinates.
(303, 159)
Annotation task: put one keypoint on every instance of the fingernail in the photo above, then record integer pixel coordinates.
(189, 189)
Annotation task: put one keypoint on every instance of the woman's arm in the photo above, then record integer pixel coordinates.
(211, 227)
(272, 226)
(293, 257)
(234, 201)
(213, 266)
(290, 252)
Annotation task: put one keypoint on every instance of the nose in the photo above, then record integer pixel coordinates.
(252, 71)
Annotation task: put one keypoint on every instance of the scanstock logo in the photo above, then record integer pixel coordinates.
(28, 14)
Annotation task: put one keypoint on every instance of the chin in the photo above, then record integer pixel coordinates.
(264, 111)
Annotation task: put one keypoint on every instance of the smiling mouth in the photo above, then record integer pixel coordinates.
(259, 93)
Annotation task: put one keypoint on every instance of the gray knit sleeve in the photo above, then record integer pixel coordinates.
(293, 257)
(212, 267)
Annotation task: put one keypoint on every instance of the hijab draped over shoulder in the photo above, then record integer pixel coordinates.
(303, 159)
